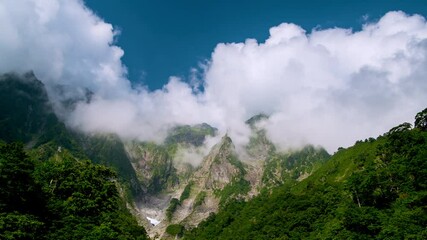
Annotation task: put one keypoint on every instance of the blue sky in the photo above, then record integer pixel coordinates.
(168, 37)
(329, 87)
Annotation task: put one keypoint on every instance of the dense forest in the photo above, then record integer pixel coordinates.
(60, 198)
(50, 186)
(376, 189)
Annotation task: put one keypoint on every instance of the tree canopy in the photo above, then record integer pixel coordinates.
(60, 198)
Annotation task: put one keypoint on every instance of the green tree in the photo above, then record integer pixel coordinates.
(18, 190)
(175, 230)
(421, 120)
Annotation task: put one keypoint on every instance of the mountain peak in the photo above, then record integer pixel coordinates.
(221, 165)
(191, 135)
(256, 119)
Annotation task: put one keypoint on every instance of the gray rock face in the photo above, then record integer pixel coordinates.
(220, 167)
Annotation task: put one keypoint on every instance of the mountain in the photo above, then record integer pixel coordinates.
(184, 188)
(375, 189)
(177, 183)
(109, 150)
(49, 190)
(281, 168)
(219, 178)
(153, 165)
(26, 114)
(190, 135)
(28, 117)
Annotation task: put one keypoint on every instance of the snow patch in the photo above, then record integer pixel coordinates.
(153, 221)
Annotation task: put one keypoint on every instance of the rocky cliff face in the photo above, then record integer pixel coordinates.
(186, 197)
(153, 166)
(195, 197)
(220, 167)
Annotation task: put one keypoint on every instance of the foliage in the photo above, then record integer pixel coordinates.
(109, 150)
(421, 120)
(191, 135)
(200, 199)
(256, 119)
(60, 198)
(173, 205)
(24, 107)
(283, 168)
(175, 230)
(14, 225)
(18, 190)
(154, 162)
(237, 188)
(27, 116)
(186, 192)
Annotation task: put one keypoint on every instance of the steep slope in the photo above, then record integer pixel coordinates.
(27, 116)
(153, 165)
(220, 167)
(287, 167)
(376, 189)
(25, 110)
(219, 179)
(225, 176)
(270, 167)
(166, 183)
(110, 151)
(60, 198)
(259, 146)
(65, 196)
(190, 135)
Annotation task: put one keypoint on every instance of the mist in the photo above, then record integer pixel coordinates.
(327, 87)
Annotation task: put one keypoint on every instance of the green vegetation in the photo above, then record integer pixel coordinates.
(109, 150)
(259, 145)
(24, 108)
(186, 192)
(421, 120)
(154, 164)
(256, 119)
(236, 189)
(192, 135)
(376, 189)
(50, 191)
(173, 205)
(175, 230)
(285, 168)
(238, 186)
(60, 198)
(200, 199)
(26, 116)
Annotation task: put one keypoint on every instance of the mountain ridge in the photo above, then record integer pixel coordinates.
(171, 195)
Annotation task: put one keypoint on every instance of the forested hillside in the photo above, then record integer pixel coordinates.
(48, 187)
(60, 198)
(376, 189)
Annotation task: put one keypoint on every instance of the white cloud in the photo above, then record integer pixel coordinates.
(64, 43)
(329, 87)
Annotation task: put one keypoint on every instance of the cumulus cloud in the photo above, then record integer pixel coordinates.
(327, 87)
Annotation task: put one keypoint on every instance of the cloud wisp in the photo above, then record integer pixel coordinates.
(326, 87)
